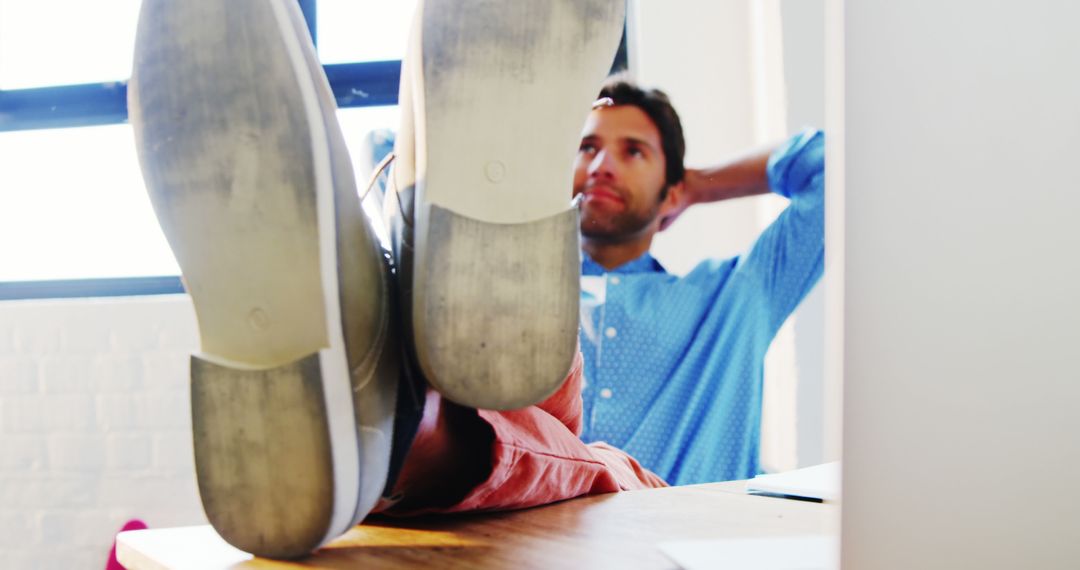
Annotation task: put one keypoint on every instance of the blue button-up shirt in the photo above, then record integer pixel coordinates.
(674, 365)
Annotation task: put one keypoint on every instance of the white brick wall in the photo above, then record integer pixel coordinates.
(95, 425)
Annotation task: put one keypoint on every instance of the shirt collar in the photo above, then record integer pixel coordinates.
(644, 264)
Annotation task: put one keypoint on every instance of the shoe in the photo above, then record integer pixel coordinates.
(293, 394)
(493, 97)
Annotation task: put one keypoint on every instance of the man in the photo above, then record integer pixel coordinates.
(674, 366)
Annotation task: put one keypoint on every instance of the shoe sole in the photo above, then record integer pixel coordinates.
(498, 111)
(377, 372)
(234, 125)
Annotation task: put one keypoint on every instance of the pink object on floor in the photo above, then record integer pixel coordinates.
(133, 524)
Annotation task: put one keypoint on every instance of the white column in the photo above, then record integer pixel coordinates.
(962, 374)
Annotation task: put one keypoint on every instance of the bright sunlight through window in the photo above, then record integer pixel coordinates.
(72, 201)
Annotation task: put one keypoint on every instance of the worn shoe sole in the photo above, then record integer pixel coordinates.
(498, 93)
(293, 393)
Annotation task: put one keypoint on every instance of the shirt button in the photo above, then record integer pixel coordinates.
(610, 332)
(614, 280)
(605, 393)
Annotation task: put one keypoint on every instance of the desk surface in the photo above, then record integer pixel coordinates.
(619, 530)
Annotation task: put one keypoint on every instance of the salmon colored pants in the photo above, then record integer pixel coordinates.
(464, 459)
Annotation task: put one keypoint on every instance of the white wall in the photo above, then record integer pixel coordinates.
(95, 425)
(704, 64)
(962, 376)
(804, 78)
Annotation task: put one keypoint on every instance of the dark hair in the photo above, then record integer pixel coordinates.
(655, 104)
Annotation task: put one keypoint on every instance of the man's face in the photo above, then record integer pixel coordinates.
(620, 171)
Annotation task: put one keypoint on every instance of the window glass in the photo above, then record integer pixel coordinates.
(73, 204)
(61, 42)
(72, 201)
(74, 207)
(362, 30)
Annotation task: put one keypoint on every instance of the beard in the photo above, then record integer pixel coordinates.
(599, 224)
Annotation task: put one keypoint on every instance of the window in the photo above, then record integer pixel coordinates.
(65, 42)
(363, 30)
(74, 216)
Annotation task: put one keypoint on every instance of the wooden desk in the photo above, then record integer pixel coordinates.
(619, 530)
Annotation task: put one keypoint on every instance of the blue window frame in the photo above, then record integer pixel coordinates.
(354, 84)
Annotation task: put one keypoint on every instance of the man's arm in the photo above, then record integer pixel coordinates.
(787, 259)
(746, 175)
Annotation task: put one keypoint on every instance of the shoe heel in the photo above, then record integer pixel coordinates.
(494, 96)
(263, 455)
(495, 329)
